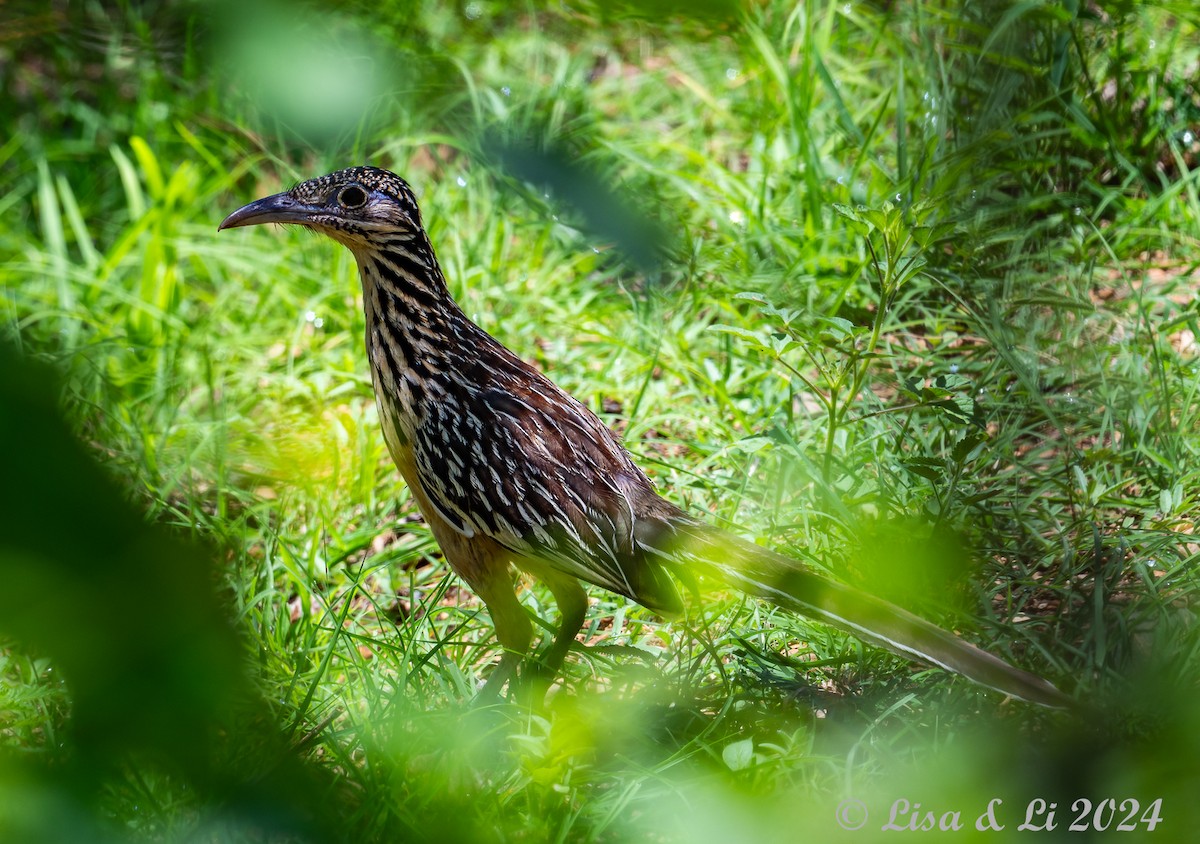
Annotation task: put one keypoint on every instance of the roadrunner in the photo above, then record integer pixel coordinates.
(509, 469)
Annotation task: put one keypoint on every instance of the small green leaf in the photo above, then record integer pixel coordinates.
(1080, 479)
(740, 333)
(739, 755)
(952, 382)
(749, 296)
(849, 213)
(877, 218)
(960, 406)
(963, 448)
(914, 388)
(836, 328)
(926, 467)
(750, 445)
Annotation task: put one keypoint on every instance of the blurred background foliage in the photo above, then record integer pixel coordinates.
(907, 289)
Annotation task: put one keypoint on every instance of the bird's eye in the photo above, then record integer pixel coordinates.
(352, 196)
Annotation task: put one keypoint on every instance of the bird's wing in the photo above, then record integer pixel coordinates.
(552, 485)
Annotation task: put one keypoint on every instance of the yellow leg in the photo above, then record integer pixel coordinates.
(572, 607)
(513, 628)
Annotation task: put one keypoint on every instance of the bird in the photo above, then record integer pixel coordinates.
(509, 470)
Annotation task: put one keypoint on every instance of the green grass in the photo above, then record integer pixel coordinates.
(908, 293)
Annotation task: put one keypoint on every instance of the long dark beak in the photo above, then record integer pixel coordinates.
(280, 208)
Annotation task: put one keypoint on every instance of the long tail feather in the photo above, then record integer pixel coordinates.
(782, 581)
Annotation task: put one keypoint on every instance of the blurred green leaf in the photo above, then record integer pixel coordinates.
(129, 614)
(607, 212)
